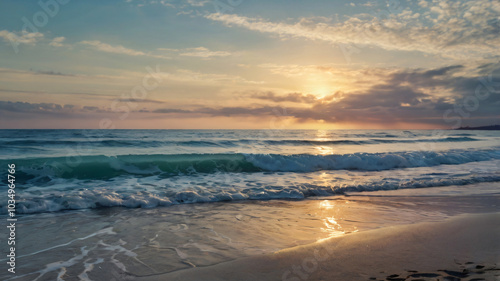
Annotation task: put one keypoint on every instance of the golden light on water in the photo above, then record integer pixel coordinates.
(323, 135)
(333, 217)
(324, 150)
(326, 204)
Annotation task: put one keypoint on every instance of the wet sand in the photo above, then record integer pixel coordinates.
(462, 248)
(257, 240)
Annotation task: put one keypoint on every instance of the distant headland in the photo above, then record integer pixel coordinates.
(490, 128)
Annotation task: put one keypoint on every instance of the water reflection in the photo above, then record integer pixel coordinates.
(323, 135)
(333, 217)
(324, 150)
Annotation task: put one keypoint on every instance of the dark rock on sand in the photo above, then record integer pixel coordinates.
(455, 273)
(424, 275)
(451, 278)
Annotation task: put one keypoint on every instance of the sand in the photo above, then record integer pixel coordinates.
(465, 247)
(270, 240)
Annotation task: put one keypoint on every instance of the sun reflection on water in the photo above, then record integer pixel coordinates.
(323, 135)
(324, 150)
(332, 213)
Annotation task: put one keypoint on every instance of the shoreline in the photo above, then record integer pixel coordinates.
(461, 247)
(130, 244)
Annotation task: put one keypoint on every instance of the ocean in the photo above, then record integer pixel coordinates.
(118, 204)
(84, 169)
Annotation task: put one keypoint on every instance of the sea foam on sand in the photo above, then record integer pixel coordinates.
(466, 246)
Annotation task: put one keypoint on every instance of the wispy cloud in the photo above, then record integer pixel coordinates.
(203, 52)
(51, 72)
(186, 75)
(290, 97)
(198, 3)
(86, 95)
(200, 52)
(57, 42)
(100, 46)
(34, 72)
(454, 29)
(171, 3)
(138, 100)
(30, 38)
(118, 49)
(40, 108)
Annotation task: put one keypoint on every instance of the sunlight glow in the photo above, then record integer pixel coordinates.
(326, 204)
(322, 91)
(333, 216)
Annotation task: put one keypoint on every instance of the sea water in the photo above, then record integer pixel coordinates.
(60, 170)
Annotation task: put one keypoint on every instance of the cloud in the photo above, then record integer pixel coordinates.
(222, 111)
(291, 97)
(132, 100)
(418, 96)
(198, 3)
(29, 38)
(405, 96)
(171, 3)
(173, 110)
(185, 75)
(423, 3)
(142, 3)
(441, 71)
(200, 52)
(86, 95)
(453, 29)
(51, 72)
(27, 107)
(55, 109)
(370, 4)
(203, 52)
(98, 45)
(57, 42)
(118, 49)
(409, 96)
(34, 72)
(324, 76)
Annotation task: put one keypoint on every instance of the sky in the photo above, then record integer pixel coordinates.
(241, 64)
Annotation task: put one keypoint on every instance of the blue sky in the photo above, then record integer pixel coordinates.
(246, 64)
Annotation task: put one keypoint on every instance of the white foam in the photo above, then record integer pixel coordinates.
(108, 231)
(367, 161)
(154, 191)
(89, 266)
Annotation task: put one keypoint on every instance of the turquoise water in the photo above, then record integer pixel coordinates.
(79, 169)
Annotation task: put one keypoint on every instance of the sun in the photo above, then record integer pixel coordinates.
(322, 91)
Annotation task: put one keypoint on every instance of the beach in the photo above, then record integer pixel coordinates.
(357, 236)
(253, 205)
(462, 248)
